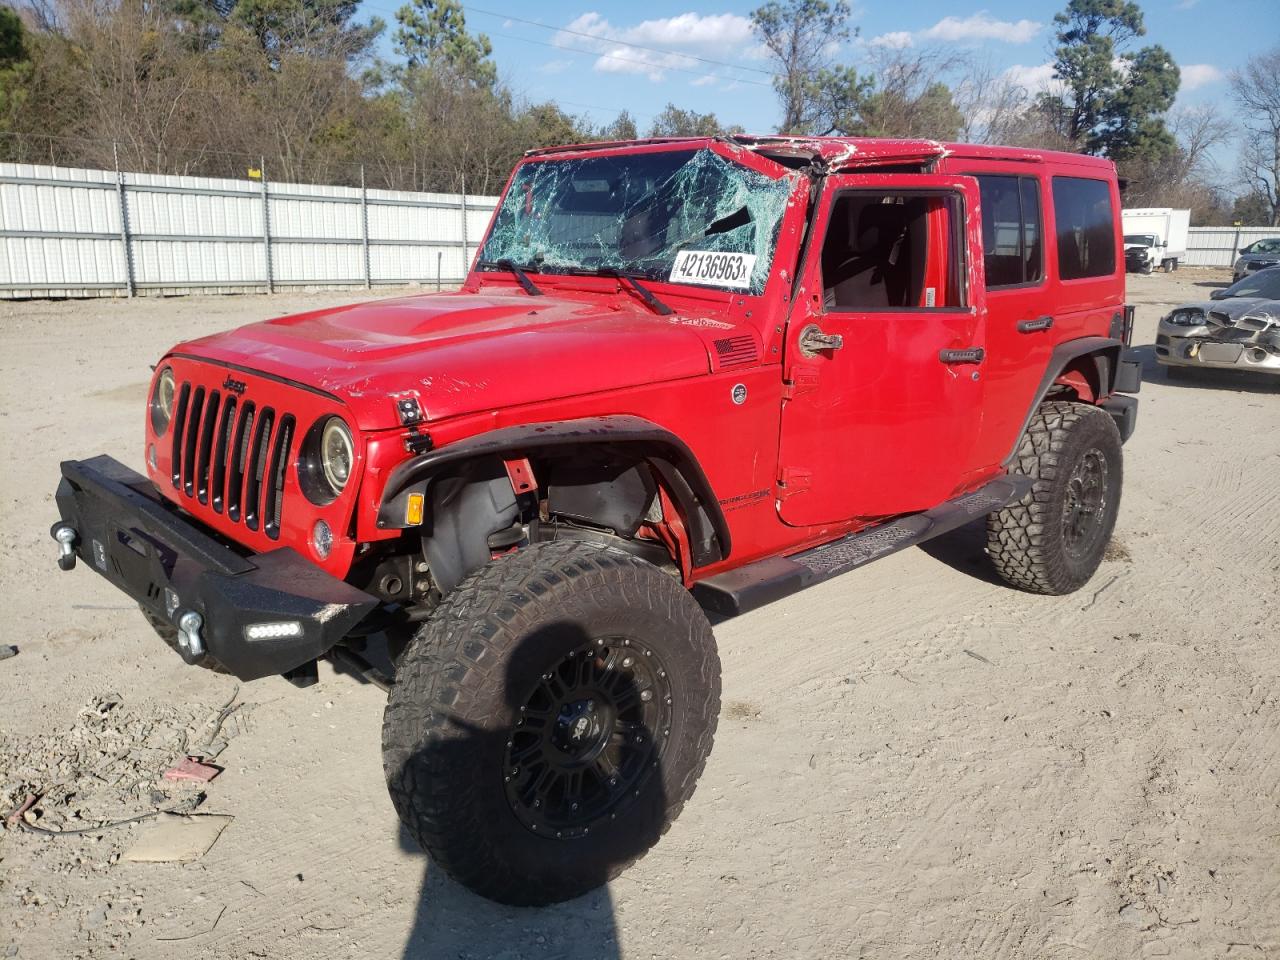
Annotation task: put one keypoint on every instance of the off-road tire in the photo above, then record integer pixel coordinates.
(456, 702)
(1026, 540)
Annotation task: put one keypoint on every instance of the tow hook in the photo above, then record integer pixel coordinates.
(190, 643)
(66, 536)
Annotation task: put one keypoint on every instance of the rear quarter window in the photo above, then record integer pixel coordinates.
(1085, 223)
(1011, 238)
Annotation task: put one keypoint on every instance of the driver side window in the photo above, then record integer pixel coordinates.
(892, 251)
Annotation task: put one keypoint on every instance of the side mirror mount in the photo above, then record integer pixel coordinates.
(1218, 295)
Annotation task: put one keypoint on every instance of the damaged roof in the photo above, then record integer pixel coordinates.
(846, 153)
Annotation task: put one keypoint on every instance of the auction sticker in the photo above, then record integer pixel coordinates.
(713, 269)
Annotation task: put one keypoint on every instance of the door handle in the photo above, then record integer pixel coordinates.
(1036, 325)
(813, 341)
(967, 355)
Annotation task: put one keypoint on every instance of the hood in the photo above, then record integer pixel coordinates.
(462, 353)
(1233, 308)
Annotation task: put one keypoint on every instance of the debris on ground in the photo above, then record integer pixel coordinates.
(109, 768)
(191, 769)
(177, 839)
(7, 650)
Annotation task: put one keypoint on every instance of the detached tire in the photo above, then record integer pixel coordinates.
(550, 720)
(1052, 540)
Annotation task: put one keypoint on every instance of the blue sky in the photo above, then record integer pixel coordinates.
(671, 42)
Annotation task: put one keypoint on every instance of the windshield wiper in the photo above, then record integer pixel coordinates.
(644, 292)
(517, 271)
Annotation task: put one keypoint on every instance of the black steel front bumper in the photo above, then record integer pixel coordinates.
(173, 567)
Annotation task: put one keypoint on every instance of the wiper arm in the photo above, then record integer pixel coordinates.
(644, 292)
(517, 271)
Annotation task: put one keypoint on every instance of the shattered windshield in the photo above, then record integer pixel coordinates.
(684, 216)
(1144, 239)
(1264, 284)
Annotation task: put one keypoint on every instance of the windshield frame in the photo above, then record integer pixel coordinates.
(734, 153)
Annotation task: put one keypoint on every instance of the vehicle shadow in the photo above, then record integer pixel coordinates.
(965, 551)
(1202, 378)
(450, 921)
(1213, 284)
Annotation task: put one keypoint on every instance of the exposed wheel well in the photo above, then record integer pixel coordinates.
(482, 507)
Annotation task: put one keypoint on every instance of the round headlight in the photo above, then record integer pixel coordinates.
(336, 454)
(162, 401)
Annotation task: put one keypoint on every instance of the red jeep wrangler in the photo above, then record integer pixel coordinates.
(682, 375)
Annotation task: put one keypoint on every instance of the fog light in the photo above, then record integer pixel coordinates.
(273, 631)
(321, 539)
(413, 509)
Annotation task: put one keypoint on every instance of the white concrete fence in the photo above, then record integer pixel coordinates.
(85, 233)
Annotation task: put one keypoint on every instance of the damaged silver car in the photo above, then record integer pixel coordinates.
(1238, 328)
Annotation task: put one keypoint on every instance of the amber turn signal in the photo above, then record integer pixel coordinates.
(413, 509)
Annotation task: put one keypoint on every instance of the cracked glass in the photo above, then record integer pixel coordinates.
(635, 213)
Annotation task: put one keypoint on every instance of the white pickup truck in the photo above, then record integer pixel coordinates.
(1154, 237)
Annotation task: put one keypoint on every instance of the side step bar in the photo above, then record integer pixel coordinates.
(762, 582)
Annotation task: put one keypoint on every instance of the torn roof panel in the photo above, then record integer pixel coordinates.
(847, 153)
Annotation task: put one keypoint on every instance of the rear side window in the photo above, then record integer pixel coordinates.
(1086, 228)
(1012, 239)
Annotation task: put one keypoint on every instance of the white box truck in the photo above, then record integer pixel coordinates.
(1154, 237)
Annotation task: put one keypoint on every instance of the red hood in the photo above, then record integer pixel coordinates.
(462, 353)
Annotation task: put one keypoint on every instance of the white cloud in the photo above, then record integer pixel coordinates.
(555, 66)
(895, 40)
(686, 35)
(978, 27)
(1197, 75)
(1036, 79)
(982, 26)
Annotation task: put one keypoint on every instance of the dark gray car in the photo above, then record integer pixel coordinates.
(1258, 255)
(1237, 328)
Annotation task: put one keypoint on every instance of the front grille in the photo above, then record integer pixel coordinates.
(232, 456)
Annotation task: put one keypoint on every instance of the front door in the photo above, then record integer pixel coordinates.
(884, 378)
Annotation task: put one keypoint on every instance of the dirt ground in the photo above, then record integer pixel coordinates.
(913, 761)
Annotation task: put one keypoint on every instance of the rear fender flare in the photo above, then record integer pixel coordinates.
(674, 463)
(1097, 358)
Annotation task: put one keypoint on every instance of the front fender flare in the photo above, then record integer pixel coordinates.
(631, 436)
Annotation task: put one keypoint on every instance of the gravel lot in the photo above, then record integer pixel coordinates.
(913, 760)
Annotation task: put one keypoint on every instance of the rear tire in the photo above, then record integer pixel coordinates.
(550, 720)
(1052, 540)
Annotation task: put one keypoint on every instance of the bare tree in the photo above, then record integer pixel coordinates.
(1257, 91)
(910, 96)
